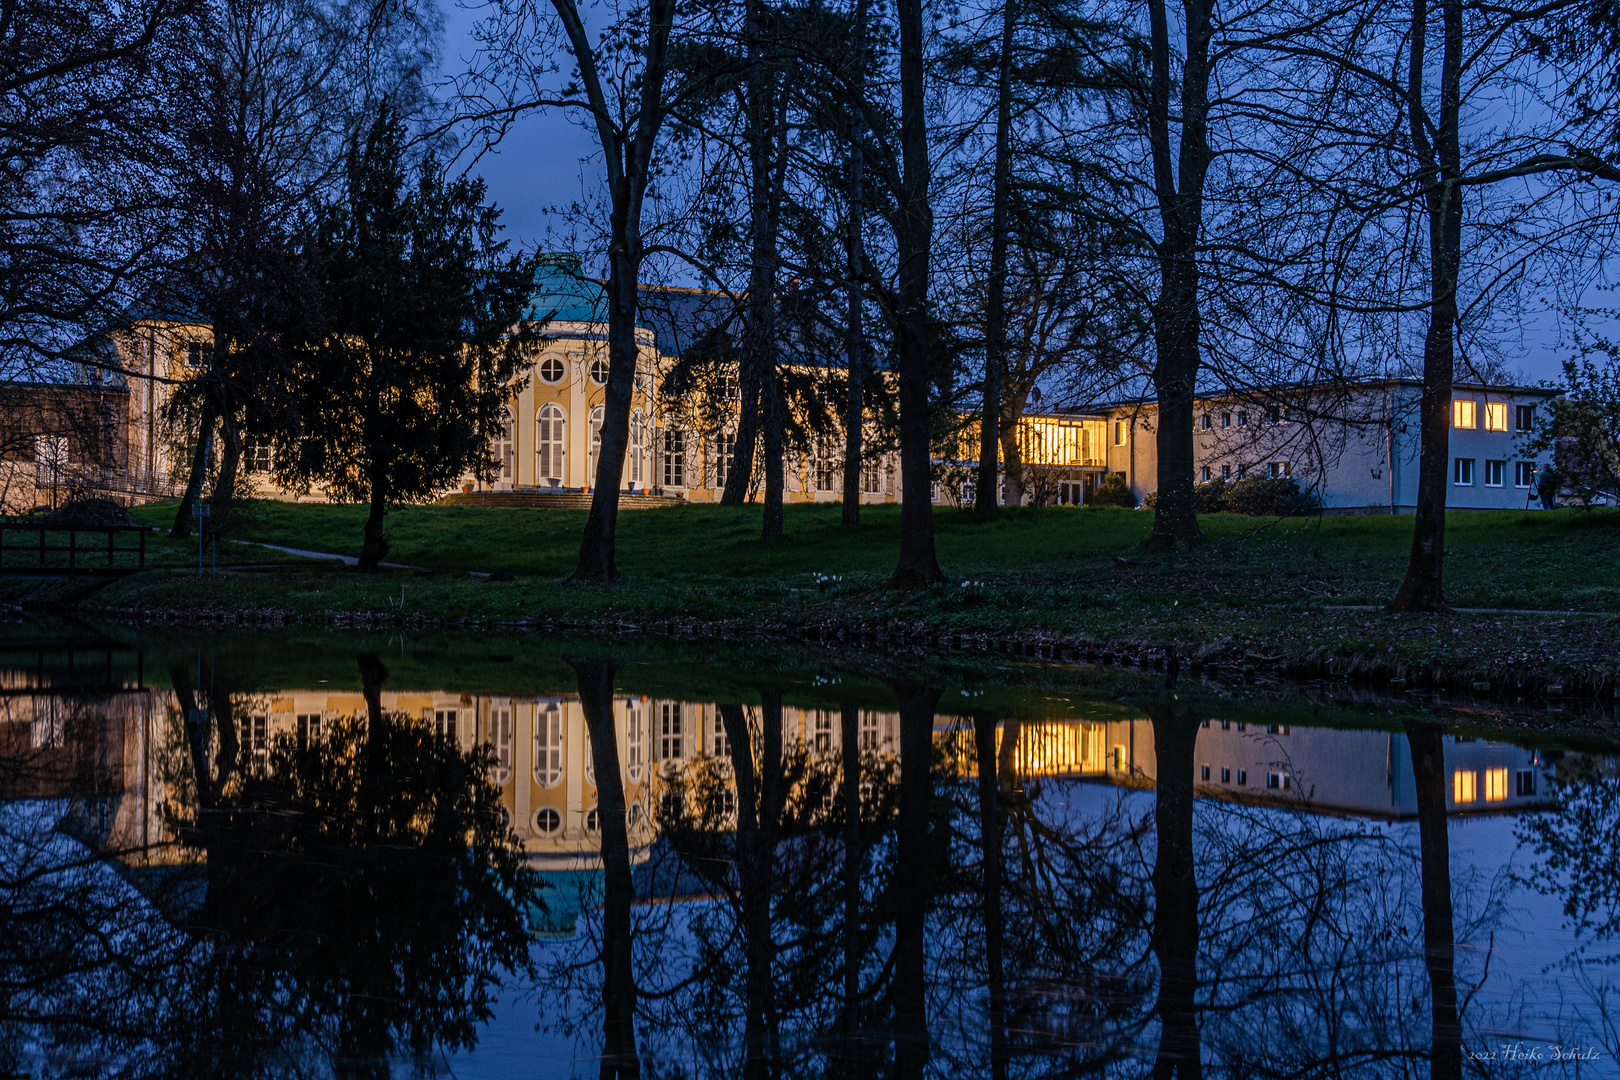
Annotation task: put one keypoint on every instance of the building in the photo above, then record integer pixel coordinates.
(1356, 447)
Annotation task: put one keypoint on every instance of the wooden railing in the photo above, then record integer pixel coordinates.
(26, 548)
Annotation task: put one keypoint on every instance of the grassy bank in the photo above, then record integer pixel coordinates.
(1262, 590)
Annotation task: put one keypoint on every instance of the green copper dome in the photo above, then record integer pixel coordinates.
(562, 291)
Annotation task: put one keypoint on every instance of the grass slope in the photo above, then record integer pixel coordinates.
(1257, 588)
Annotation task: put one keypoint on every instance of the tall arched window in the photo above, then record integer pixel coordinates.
(596, 445)
(638, 447)
(551, 444)
(548, 744)
(505, 445)
(500, 740)
(635, 755)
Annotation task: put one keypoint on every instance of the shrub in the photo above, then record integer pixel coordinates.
(1279, 497)
(1114, 492)
(1210, 497)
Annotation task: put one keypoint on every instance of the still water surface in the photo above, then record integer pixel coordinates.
(490, 857)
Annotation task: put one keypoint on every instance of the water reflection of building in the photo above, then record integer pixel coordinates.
(1321, 769)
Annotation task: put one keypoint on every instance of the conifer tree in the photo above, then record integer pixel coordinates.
(405, 385)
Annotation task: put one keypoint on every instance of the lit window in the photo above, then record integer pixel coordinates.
(1495, 416)
(674, 459)
(1462, 473)
(1462, 786)
(551, 369)
(1462, 413)
(1119, 432)
(1495, 473)
(1495, 785)
(669, 731)
(1524, 417)
(548, 745)
(1524, 473)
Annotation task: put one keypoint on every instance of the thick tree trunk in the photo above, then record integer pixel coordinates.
(620, 1058)
(851, 1046)
(629, 161)
(1423, 587)
(990, 841)
(1427, 744)
(1012, 472)
(230, 459)
(740, 475)
(758, 806)
(1175, 312)
(199, 470)
(855, 247)
(1175, 895)
(375, 546)
(986, 496)
(918, 564)
(914, 881)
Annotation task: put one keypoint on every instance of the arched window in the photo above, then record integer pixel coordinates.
(551, 443)
(635, 720)
(505, 445)
(638, 447)
(596, 445)
(599, 372)
(500, 740)
(548, 744)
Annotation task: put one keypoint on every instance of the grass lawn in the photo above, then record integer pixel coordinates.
(1562, 560)
(1257, 587)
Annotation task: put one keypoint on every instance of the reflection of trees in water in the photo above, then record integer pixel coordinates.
(351, 901)
(1578, 844)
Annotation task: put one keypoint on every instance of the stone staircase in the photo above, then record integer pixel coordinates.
(556, 500)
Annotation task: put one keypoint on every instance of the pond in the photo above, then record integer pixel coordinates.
(491, 856)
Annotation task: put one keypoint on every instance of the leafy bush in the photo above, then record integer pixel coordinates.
(1114, 492)
(1280, 497)
(1210, 498)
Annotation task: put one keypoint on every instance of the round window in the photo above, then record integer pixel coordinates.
(599, 371)
(593, 820)
(547, 820)
(551, 369)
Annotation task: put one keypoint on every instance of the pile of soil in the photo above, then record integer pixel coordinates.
(90, 511)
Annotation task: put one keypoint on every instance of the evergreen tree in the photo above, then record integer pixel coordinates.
(405, 385)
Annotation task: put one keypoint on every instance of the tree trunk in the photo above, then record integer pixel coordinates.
(1012, 473)
(918, 564)
(758, 791)
(1175, 894)
(913, 881)
(199, 470)
(985, 495)
(629, 162)
(990, 841)
(855, 246)
(230, 458)
(1427, 743)
(620, 1058)
(375, 546)
(741, 475)
(853, 1059)
(1176, 312)
(1422, 589)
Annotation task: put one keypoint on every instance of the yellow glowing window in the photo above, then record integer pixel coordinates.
(1495, 785)
(1462, 413)
(1495, 416)
(1463, 785)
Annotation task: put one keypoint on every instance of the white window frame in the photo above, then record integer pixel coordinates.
(1499, 468)
(1460, 468)
(551, 443)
